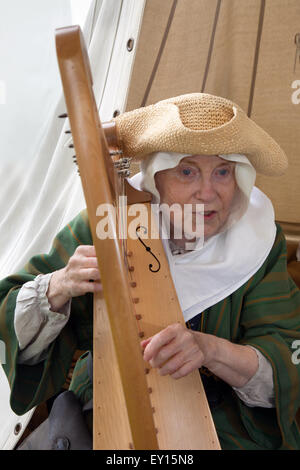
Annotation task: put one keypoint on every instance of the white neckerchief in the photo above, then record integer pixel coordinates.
(227, 260)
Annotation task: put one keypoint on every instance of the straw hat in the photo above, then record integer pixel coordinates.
(199, 124)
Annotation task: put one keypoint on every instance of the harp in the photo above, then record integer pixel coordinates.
(133, 407)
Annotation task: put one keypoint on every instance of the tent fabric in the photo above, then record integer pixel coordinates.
(49, 191)
(242, 50)
(24, 64)
(42, 196)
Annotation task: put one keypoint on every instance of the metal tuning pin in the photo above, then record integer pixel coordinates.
(124, 173)
(112, 153)
(123, 165)
(64, 115)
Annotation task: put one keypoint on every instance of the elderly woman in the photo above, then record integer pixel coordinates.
(241, 307)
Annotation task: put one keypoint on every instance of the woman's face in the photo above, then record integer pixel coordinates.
(200, 179)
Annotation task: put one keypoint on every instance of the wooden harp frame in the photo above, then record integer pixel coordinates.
(134, 408)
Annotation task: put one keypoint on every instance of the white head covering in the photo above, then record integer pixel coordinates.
(228, 259)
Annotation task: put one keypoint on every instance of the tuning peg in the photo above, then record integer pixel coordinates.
(122, 163)
(68, 132)
(71, 146)
(124, 173)
(63, 115)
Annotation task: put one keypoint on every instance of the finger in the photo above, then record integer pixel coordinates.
(185, 369)
(190, 354)
(158, 341)
(86, 250)
(78, 261)
(88, 262)
(165, 353)
(79, 275)
(145, 342)
(90, 287)
(172, 365)
(89, 274)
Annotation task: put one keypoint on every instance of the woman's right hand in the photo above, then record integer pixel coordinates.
(79, 276)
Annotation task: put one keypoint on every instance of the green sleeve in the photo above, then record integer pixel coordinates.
(31, 385)
(264, 313)
(270, 321)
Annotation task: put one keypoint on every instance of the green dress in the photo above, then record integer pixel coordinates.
(264, 313)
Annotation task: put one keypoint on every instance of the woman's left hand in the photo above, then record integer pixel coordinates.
(177, 351)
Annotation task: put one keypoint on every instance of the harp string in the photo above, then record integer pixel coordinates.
(121, 210)
(121, 204)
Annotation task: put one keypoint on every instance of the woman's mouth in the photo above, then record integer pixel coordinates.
(209, 214)
(206, 214)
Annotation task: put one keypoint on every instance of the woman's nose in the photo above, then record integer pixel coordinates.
(205, 190)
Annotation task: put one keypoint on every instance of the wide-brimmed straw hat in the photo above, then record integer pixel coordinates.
(199, 124)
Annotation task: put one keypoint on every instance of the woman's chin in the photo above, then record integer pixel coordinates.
(211, 229)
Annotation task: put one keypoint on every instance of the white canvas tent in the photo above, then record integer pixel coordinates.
(43, 187)
(244, 50)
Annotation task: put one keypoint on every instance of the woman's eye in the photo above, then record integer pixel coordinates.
(223, 172)
(186, 171)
